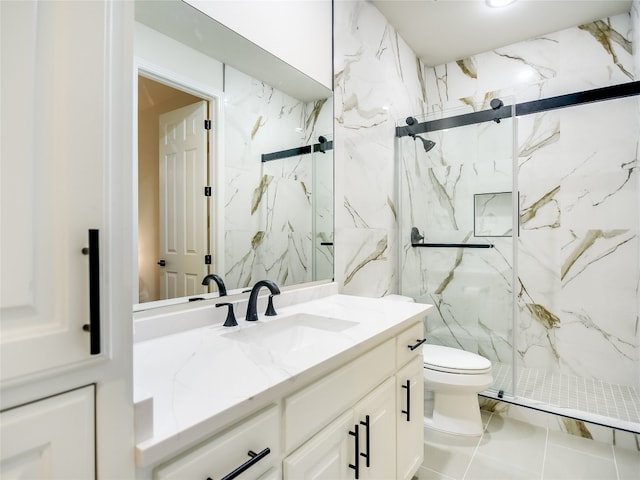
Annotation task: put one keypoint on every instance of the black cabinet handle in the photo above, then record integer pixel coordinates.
(93, 327)
(255, 458)
(367, 440)
(417, 344)
(356, 467)
(407, 412)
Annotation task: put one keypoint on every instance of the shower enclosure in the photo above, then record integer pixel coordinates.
(520, 226)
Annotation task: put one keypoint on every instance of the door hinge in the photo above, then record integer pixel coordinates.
(207, 259)
(207, 191)
(207, 124)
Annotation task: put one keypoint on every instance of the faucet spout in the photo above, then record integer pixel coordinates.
(252, 307)
(219, 282)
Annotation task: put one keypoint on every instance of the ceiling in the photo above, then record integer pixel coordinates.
(443, 31)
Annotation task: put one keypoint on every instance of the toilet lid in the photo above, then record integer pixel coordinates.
(454, 360)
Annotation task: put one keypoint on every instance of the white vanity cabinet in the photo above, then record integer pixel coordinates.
(370, 439)
(66, 151)
(51, 438)
(251, 449)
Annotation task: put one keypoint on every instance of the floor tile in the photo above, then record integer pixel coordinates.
(448, 454)
(563, 463)
(513, 442)
(424, 473)
(628, 463)
(584, 445)
(483, 467)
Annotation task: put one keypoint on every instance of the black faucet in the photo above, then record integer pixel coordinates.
(216, 278)
(252, 307)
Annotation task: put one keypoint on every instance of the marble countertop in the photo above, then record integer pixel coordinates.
(202, 380)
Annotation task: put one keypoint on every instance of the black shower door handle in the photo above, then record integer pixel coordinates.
(93, 327)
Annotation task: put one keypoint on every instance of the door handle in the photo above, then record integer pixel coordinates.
(356, 467)
(367, 425)
(93, 327)
(407, 412)
(255, 458)
(162, 263)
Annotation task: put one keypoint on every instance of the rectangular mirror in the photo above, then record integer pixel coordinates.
(208, 114)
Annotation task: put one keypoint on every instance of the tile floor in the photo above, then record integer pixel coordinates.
(511, 449)
(617, 402)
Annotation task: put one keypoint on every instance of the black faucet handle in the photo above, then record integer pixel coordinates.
(271, 311)
(231, 317)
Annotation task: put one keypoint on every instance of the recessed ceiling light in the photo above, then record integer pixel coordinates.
(499, 3)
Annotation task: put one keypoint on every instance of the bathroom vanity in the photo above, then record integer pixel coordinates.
(321, 390)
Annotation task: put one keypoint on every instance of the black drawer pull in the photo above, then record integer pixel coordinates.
(417, 344)
(356, 467)
(255, 458)
(93, 327)
(407, 412)
(367, 440)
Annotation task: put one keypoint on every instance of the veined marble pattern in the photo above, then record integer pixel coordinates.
(269, 206)
(575, 59)
(578, 250)
(378, 79)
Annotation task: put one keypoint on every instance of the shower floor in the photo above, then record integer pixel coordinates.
(590, 400)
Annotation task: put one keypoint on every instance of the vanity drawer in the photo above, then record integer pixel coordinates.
(314, 407)
(228, 451)
(407, 340)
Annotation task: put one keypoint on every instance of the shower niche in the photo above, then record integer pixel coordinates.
(492, 214)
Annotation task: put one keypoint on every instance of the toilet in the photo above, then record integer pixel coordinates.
(455, 377)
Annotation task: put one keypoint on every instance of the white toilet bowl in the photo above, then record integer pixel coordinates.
(455, 377)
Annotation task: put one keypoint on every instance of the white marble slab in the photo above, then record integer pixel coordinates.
(202, 380)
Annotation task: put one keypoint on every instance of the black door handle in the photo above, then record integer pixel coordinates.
(356, 467)
(407, 412)
(417, 344)
(162, 263)
(255, 458)
(93, 327)
(367, 425)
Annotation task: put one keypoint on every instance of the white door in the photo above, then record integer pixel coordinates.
(183, 204)
(53, 163)
(326, 456)
(376, 416)
(51, 438)
(410, 431)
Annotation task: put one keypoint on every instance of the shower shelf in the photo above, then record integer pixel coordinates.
(453, 245)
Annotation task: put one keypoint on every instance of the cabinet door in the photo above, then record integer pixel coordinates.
(326, 456)
(410, 415)
(54, 103)
(376, 417)
(225, 453)
(51, 438)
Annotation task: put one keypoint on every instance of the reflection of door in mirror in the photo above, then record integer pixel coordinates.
(173, 164)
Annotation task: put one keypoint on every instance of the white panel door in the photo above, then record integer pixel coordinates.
(49, 439)
(326, 456)
(410, 414)
(54, 94)
(183, 206)
(376, 417)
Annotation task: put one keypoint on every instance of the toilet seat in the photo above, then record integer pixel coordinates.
(453, 360)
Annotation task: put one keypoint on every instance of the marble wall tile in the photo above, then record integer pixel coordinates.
(378, 79)
(575, 59)
(269, 206)
(578, 259)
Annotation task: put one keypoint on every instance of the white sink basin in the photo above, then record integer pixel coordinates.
(291, 333)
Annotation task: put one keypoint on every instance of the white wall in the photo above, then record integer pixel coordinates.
(298, 32)
(153, 48)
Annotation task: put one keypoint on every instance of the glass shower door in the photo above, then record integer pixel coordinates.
(457, 237)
